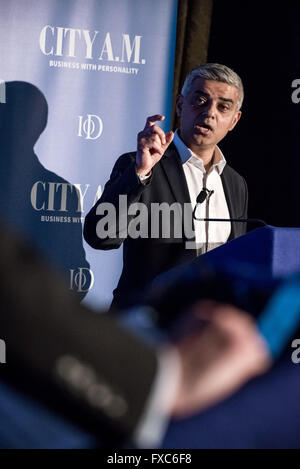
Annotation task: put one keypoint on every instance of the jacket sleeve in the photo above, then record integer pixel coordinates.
(99, 374)
(106, 224)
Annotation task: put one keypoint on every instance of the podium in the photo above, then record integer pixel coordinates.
(244, 272)
(276, 250)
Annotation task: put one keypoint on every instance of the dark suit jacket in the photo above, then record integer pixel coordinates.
(78, 361)
(144, 259)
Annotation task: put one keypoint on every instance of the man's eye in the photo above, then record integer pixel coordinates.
(200, 100)
(224, 107)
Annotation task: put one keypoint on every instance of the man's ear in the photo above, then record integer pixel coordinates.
(179, 104)
(235, 120)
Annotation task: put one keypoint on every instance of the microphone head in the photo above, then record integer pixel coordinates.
(202, 196)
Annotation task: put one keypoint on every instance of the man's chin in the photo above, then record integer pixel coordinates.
(203, 141)
(199, 141)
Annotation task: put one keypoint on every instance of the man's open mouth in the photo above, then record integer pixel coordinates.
(204, 128)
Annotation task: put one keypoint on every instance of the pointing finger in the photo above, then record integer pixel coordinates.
(152, 119)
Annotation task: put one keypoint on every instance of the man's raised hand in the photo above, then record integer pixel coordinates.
(152, 142)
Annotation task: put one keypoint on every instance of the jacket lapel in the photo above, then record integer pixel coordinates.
(229, 198)
(172, 166)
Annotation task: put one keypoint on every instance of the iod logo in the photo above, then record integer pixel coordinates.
(81, 280)
(91, 127)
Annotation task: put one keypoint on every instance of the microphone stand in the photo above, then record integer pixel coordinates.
(241, 220)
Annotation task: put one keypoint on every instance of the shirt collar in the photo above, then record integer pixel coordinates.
(187, 155)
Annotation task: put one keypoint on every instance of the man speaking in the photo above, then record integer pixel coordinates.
(173, 181)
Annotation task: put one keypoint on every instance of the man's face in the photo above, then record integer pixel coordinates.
(207, 113)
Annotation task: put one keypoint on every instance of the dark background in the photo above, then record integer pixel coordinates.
(261, 42)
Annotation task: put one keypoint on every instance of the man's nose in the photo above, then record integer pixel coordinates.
(210, 110)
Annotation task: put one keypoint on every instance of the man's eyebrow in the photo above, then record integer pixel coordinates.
(227, 100)
(201, 92)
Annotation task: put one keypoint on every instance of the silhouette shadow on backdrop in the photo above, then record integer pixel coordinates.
(41, 205)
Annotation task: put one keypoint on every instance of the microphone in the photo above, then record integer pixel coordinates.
(203, 194)
(206, 193)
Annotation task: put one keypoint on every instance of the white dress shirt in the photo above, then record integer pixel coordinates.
(209, 235)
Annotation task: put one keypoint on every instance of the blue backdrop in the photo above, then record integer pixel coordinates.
(77, 81)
